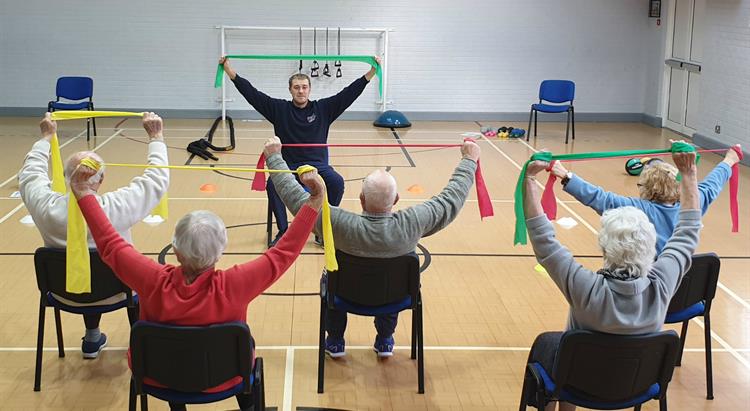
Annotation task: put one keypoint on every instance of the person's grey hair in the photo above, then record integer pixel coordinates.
(628, 240)
(200, 237)
(379, 189)
(75, 159)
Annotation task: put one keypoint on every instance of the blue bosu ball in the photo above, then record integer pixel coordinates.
(392, 119)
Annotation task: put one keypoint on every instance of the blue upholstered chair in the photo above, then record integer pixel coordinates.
(75, 89)
(190, 360)
(556, 92)
(606, 372)
(370, 287)
(693, 299)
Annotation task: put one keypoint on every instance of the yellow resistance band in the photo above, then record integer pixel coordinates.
(328, 244)
(77, 262)
(58, 179)
(78, 279)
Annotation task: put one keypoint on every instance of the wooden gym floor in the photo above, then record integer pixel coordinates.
(484, 302)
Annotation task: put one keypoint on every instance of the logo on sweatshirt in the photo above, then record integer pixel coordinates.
(311, 118)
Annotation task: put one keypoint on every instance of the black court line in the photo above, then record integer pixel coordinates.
(405, 151)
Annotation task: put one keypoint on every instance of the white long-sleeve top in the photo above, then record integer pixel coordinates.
(124, 206)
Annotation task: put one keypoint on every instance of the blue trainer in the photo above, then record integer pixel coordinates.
(335, 347)
(384, 346)
(91, 349)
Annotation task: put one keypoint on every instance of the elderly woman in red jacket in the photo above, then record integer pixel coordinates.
(195, 292)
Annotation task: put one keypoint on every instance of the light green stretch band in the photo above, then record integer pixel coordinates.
(546, 156)
(364, 59)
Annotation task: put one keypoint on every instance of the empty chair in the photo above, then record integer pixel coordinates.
(693, 299)
(195, 365)
(370, 287)
(75, 89)
(605, 371)
(49, 264)
(557, 92)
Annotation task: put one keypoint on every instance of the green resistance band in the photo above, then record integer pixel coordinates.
(520, 233)
(364, 59)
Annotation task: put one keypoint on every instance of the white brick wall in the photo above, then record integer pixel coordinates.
(725, 76)
(446, 56)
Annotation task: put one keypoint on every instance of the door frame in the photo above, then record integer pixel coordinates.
(667, 71)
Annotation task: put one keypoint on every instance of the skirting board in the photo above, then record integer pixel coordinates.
(249, 114)
(712, 143)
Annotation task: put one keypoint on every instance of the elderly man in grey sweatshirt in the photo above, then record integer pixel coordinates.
(631, 294)
(379, 231)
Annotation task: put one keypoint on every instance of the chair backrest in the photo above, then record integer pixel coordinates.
(698, 284)
(374, 281)
(191, 359)
(557, 91)
(613, 368)
(75, 88)
(49, 264)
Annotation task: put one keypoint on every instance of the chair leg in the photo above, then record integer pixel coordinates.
(321, 345)
(536, 118)
(709, 363)
(413, 335)
(663, 402)
(144, 402)
(133, 314)
(567, 128)
(524, 387)
(269, 225)
(528, 130)
(132, 398)
(420, 348)
(88, 130)
(637, 407)
(60, 343)
(683, 337)
(39, 346)
(93, 120)
(572, 121)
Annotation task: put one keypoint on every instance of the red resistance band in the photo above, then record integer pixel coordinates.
(549, 202)
(483, 197)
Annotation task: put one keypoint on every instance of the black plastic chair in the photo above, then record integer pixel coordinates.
(190, 360)
(693, 299)
(374, 286)
(606, 372)
(74, 89)
(49, 264)
(555, 91)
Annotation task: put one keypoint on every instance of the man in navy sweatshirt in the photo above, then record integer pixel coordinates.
(305, 121)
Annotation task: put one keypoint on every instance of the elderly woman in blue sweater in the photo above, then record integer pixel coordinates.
(658, 189)
(631, 293)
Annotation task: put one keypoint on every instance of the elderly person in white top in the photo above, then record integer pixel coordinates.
(125, 206)
(630, 295)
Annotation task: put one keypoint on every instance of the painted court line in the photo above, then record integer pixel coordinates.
(724, 344)
(288, 380)
(10, 213)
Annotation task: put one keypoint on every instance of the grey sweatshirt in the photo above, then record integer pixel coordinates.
(612, 306)
(382, 235)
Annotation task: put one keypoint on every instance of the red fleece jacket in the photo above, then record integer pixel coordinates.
(216, 296)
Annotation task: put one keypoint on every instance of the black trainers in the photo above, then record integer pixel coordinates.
(91, 349)
(318, 241)
(276, 239)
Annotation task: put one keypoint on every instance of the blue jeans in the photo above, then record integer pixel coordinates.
(336, 321)
(334, 187)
